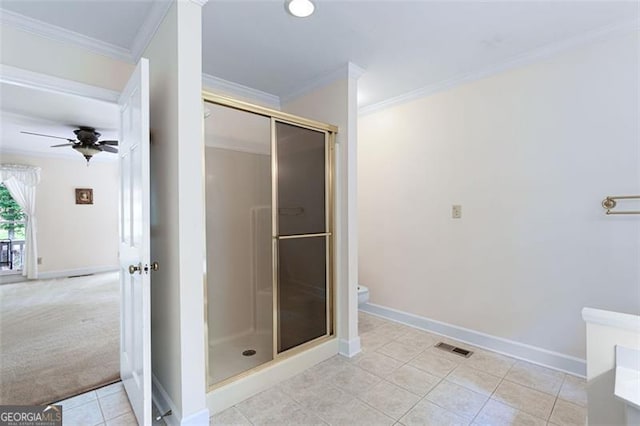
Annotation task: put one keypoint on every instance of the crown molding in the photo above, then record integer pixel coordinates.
(149, 27)
(212, 83)
(354, 71)
(146, 32)
(25, 78)
(348, 70)
(58, 34)
(520, 60)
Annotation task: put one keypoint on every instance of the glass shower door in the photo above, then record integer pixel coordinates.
(302, 234)
(269, 221)
(238, 197)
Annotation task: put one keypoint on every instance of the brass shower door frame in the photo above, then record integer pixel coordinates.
(329, 131)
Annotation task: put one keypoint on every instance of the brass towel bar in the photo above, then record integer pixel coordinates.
(610, 203)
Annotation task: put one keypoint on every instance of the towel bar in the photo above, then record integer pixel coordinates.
(610, 203)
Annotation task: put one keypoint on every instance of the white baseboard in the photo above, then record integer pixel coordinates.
(163, 402)
(12, 278)
(75, 272)
(349, 348)
(533, 354)
(196, 419)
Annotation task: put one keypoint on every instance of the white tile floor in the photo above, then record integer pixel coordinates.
(398, 379)
(107, 406)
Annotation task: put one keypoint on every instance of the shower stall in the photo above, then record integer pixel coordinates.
(269, 233)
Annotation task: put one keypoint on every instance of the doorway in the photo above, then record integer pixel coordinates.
(269, 221)
(60, 324)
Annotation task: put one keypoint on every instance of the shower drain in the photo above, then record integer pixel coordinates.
(249, 352)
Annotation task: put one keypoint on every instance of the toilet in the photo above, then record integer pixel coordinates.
(363, 295)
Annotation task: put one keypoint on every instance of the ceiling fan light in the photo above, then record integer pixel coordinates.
(300, 8)
(87, 151)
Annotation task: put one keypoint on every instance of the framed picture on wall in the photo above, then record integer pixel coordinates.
(84, 196)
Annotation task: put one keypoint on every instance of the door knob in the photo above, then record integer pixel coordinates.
(135, 268)
(153, 267)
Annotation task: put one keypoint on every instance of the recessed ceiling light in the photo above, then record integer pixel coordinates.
(300, 8)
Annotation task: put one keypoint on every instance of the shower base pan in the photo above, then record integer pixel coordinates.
(227, 358)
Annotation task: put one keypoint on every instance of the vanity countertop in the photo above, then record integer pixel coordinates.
(627, 385)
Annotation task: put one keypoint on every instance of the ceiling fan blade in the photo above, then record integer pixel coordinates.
(62, 144)
(47, 136)
(108, 142)
(107, 148)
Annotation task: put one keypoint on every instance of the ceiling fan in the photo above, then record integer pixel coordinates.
(86, 142)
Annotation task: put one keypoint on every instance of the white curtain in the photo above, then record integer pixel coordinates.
(21, 182)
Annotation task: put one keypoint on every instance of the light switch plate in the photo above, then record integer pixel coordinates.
(456, 211)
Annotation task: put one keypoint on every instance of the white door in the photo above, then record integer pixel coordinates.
(135, 292)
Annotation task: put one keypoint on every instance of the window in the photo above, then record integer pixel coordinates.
(12, 232)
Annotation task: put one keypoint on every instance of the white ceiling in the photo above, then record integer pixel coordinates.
(111, 21)
(402, 45)
(56, 114)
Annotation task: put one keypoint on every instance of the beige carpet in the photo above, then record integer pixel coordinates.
(58, 337)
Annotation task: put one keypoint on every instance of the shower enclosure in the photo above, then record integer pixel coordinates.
(269, 224)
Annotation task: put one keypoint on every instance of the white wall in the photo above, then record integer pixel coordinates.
(529, 154)
(31, 52)
(177, 215)
(73, 238)
(336, 103)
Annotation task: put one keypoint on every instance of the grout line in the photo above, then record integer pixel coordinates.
(491, 352)
(517, 408)
(74, 396)
(378, 410)
(387, 415)
(86, 403)
(100, 408)
(242, 414)
(555, 401)
(462, 362)
(491, 396)
(480, 410)
(494, 392)
(403, 363)
(459, 363)
(420, 398)
(531, 388)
